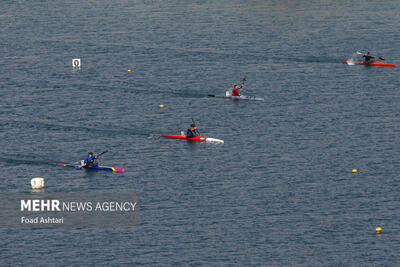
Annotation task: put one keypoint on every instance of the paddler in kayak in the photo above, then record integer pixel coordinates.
(236, 90)
(192, 131)
(367, 58)
(90, 160)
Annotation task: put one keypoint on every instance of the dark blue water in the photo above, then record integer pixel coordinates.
(278, 192)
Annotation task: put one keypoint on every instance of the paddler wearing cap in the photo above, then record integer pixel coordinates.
(192, 131)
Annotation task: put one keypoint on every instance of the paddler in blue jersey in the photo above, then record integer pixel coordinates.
(90, 160)
(192, 131)
(367, 58)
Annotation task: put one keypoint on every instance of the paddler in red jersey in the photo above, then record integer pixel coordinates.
(367, 58)
(235, 91)
(192, 131)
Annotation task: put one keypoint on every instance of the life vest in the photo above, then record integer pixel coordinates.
(191, 133)
(91, 161)
(367, 58)
(235, 92)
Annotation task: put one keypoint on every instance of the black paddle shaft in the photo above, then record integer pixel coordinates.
(243, 80)
(101, 154)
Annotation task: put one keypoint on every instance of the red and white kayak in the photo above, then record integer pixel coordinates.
(376, 63)
(197, 138)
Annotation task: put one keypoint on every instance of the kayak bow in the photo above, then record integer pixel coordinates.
(197, 138)
(376, 63)
(99, 167)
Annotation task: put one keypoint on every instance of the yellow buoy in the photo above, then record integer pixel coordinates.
(129, 70)
(161, 106)
(354, 170)
(378, 230)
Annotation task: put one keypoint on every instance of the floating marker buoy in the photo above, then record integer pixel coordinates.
(161, 106)
(37, 183)
(354, 170)
(378, 230)
(129, 70)
(76, 63)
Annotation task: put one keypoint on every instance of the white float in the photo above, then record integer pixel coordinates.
(37, 183)
(76, 63)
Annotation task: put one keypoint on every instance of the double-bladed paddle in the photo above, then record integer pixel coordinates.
(360, 53)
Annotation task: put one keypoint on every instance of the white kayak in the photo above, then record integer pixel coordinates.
(228, 95)
(241, 97)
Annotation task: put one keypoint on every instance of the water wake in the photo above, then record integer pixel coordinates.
(352, 60)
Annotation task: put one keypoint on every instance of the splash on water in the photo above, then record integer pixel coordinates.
(352, 60)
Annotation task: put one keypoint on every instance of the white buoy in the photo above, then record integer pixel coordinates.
(37, 183)
(76, 63)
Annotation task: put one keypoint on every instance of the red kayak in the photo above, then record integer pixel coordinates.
(376, 63)
(197, 138)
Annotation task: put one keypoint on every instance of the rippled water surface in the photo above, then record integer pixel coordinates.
(278, 192)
